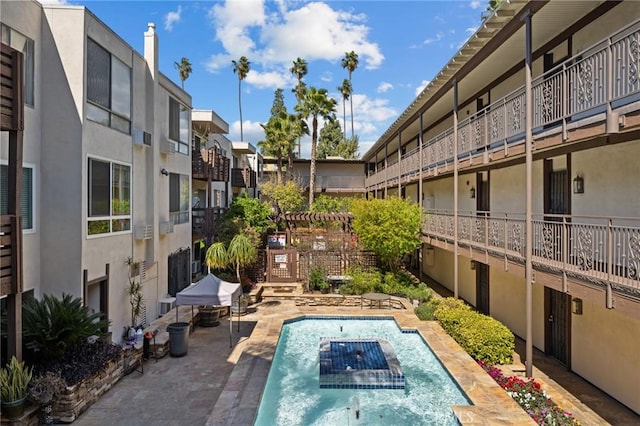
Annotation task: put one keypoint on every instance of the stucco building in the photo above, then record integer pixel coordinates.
(523, 150)
(106, 159)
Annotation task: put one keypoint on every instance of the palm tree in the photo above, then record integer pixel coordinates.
(184, 68)
(350, 62)
(241, 253)
(299, 69)
(272, 143)
(216, 256)
(345, 90)
(315, 103)
(241, 67)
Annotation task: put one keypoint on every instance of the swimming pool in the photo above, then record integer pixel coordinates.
(292, 393)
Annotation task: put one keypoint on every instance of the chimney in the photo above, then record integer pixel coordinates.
(151, 49)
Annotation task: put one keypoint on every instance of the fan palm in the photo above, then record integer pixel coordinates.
(184, 68)
(315, 103)
(242, 68)
(299, 69)
(350, 62)
(345, 90)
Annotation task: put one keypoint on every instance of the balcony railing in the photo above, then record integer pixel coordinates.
(204, 220)
(335, 183)
(605, 74)
(595, 249)
(209, 164)
(10, 229)
(243, 178)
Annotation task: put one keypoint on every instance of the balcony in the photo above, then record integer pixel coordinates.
(348, 184)
(209, 164)
(597, 250)
(574, 94)
(10, 255)
(204, 221)
(243, 178)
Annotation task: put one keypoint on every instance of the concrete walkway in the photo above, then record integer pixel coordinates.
(217, 385)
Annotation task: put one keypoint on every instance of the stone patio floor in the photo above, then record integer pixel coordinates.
(218, 385)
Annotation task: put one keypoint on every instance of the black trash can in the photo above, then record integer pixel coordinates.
(178, 338)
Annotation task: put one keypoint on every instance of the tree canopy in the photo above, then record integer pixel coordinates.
(389, 227)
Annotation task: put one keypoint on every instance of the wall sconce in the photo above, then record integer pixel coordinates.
(576, 306)
(164, 171)
(578, 184)
(473, 265)
(472, 192)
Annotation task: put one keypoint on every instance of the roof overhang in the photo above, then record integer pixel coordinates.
(242, 148)
(207, 121)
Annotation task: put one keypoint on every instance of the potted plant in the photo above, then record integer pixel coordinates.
(14, 383)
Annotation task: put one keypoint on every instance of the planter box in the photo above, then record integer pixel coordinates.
(76, 399)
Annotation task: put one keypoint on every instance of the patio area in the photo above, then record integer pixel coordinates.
(217, 385)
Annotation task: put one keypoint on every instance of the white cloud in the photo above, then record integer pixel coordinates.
(438, 37)
(262, 31)
(475, 4)
(252, 132)
(471, 30)
(384, 87)
(172, 18)
(421, 87)
(267, 80)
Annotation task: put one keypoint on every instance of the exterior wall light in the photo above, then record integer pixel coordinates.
(165, 172)
(578, 184)
(576, 306)
(472, 192)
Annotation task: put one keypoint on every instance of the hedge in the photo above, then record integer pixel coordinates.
(484, 338)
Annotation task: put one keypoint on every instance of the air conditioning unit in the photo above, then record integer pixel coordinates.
(167, 147)
(166, 227)
(141, 138)
(143, 232)
(167, 304)
(195, 267)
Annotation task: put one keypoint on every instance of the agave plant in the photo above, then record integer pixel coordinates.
(51, 326)
(14, 381)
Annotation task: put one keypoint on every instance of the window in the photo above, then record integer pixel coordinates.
(108, 89)
(25, 45)
(27, 194)
(178, 198)
(179, 126)
(109, 197)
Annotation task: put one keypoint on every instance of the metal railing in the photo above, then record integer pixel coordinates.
(598, 249)
(606, 74)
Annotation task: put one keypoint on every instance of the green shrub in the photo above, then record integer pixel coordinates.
(424, 311)
(14, 380)
(362, 281)
(51, 326)
(484, 338)
(317, 279)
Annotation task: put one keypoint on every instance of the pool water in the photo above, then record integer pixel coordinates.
(292, 393)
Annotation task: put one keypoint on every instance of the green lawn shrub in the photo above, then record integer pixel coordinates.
(484, 338)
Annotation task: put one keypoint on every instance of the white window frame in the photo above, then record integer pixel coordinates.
(32, 167)
(111, 217)
(180, 216)
(181, 146)
(112, 114)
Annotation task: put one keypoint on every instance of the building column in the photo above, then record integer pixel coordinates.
(399, 159)
(528, 221)
(455, 189)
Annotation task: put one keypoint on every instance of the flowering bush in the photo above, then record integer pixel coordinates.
(530, 396)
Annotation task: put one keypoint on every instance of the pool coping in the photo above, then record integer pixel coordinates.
(240, 398)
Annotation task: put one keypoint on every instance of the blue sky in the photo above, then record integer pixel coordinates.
(401, 46)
